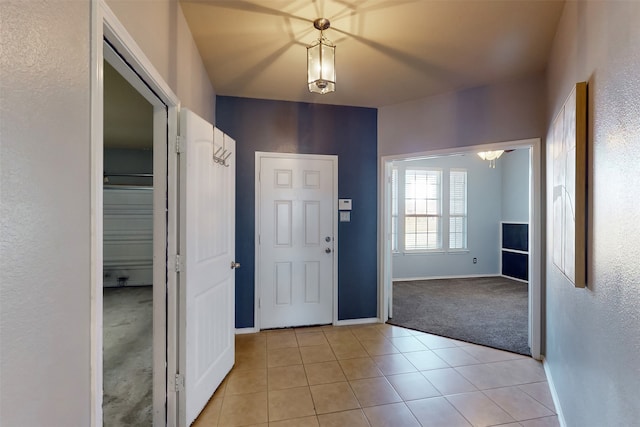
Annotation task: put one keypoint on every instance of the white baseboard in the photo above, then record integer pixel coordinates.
(363, 321)
(554, 394)
(514, 278)
(240, 331)
(357, 321)
(466, 276)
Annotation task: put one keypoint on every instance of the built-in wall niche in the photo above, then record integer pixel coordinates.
(514, 251)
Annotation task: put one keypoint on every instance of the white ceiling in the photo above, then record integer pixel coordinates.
(387, 51)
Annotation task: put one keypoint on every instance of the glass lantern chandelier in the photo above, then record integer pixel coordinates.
(321, 56)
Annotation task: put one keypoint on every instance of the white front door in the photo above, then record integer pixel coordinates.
(296, 243)
(206, 278)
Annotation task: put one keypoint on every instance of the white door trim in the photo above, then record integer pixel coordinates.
(105, 25)
(257, 286)
(535, 230)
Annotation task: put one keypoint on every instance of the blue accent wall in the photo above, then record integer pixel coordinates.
(291, 127)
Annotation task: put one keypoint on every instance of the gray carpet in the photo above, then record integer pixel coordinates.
(491, 311)
(127, 356)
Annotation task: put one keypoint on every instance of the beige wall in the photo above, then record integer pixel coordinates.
(593, 334)
(160, 29)
(44, 213)
(504, 111)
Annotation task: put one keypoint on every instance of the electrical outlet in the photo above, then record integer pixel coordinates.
(475, 260)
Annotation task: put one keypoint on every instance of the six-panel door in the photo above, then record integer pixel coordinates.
(296, 242)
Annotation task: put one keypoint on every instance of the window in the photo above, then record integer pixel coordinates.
(429, 209)
(394, 210)
(423, 209)
(458, 209)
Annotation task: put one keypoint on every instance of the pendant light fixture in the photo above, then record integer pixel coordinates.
(321, 56)
(491, 156)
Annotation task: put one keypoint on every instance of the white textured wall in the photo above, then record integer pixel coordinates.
(44, 214)
(593, 334)
(505, 111)
(160, 29)
(45, 192)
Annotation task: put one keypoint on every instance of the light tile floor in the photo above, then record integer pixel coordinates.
(376, 375)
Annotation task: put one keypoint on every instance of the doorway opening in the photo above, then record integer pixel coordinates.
(144, 198)
(457, 236)
(127, 253)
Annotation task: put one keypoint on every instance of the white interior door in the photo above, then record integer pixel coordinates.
(206, 278)
(297, 211)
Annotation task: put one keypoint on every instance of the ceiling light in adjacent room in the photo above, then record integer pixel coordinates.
(491, 156)
(321, 55)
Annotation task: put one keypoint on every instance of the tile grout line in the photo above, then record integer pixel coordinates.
(534, 398)
(313, 400)
(385, 377)
(376, 333)
(266, 362)
(458, 410)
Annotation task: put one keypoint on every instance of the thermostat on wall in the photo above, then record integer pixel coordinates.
(344, 204)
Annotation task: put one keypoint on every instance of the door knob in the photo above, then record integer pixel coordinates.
(328, 250)
(235, 265)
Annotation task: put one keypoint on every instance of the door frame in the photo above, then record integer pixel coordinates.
(105, 25)
(257, 284)
(385, 279)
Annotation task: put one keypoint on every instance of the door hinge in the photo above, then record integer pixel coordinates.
(179, 383)
(177, 265)
(259, 240)
(259, 303)
(178, 142)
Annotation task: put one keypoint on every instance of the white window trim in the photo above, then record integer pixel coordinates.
(465, 216)
(395, 238)
(445, 189)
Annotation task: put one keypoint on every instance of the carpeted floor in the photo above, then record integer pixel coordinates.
(127, 353)
(491, 311)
